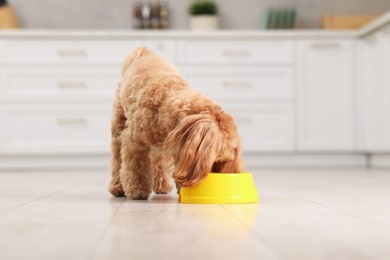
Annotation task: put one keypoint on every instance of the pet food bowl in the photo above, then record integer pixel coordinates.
(221, 188)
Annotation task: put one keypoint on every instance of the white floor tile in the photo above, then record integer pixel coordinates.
(302, 214)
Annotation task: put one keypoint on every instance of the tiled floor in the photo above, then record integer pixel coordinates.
(303, 214)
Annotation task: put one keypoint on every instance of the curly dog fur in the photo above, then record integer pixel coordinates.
(160, 124)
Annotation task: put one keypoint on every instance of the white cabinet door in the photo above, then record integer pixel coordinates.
(55, 83)
(242, 84)
(260, 100)
(264, 128)
(165, 48)
(234, 52)
(55, 129)
(66, 52)
(326, 95)
(375, 92)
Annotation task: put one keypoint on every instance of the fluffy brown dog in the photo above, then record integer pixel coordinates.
(159, 120)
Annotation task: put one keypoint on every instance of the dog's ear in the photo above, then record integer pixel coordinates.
(233, 166)
(194, 144)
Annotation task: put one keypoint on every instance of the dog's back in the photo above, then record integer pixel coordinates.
(151, 86)
(135, 54)
(144, 60)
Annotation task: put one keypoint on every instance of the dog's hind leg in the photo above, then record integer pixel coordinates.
(135, 172)
(161, 176)
(117, 126)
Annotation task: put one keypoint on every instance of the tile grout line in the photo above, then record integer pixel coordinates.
(267, 245)
(93, 250)
(28, 202)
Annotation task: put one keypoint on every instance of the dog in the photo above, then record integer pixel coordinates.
(161, 125)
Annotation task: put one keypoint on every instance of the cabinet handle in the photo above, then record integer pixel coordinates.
(243, 120)
(237, 84)
(79, 53)
(160, 46)
(325, 45)
(72, 121)
(71, 84)
(236, 53)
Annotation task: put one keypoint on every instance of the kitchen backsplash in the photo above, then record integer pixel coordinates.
(234, 14)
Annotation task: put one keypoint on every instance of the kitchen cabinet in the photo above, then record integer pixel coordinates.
(326, 95)
(37, 52)
(58, 83)
(37, 129)
(264, 127)
(252, 81)
(291, 93)
(243, 84)
(236, 52)
(56, 95)
(374, 91)
(165, 48)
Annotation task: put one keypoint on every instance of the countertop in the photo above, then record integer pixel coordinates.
(219, 34)
(172, 34)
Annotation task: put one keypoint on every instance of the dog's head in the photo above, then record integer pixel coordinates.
(202, 143)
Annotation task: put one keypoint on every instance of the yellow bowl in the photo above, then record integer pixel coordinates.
(221, 188)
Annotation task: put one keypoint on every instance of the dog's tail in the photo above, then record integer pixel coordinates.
(135, 54)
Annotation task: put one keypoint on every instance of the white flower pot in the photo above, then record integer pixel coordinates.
(204, 22)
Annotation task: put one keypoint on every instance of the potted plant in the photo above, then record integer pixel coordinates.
(203, 15)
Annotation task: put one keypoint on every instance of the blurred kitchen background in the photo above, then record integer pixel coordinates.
(234, 14)
(306, 80)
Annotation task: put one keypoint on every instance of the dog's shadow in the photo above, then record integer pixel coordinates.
(158, 198)
(164, 198)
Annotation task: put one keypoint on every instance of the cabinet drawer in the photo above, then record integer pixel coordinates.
(242, 84)
(165, 48)
(235, 52)
(66, 51)
(55, 129)
(264, 127)
(59, 83)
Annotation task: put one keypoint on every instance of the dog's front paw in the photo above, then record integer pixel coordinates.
(116, 190)
(161, 186)
(138, 194)
(139, 197)
(161, 192)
